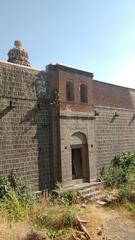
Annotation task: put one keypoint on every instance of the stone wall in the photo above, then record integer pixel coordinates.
(26, 136)
(71, 123)
(36, 141)
(114, 134)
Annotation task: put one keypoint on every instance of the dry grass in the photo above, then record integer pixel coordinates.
(44, 215)
(15, 231)
(55, 216)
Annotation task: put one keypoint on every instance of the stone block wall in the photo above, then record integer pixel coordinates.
(26, 136)
(36, 140)
(70, 123)
(114, 134)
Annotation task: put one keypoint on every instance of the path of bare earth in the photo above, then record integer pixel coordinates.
(115, 224)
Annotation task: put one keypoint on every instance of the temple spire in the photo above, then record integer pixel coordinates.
(18, 55)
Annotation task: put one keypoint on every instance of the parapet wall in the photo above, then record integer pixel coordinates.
(16, 81)
(109, 95)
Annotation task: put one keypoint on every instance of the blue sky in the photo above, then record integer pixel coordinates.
(94, 35)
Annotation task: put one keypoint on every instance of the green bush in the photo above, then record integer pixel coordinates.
(8, 183)
(112, 176)
(67, 197)
(4, 187)
(124, 160)
(56, 217)
(120, 171)
(13, 207)
(15, 199)
(127, 192)
(121, 175)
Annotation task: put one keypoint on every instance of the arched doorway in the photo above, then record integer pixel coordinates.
(79, 157)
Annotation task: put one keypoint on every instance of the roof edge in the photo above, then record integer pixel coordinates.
(65, 68)
(115, 85)
(18, 65)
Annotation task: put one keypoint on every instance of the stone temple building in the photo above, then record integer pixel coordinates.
(60, 125)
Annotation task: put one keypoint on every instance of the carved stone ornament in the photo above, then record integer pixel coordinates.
(18, 55)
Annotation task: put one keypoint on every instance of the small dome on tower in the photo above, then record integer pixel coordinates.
(17, 44)
(18, 55)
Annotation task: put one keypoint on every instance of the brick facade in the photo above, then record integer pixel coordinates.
(59, 75)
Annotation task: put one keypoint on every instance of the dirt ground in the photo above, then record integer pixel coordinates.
(105, 223)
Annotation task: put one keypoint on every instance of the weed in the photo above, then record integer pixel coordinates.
(56, 217)
(121, 175)
(121, 170)
(67, 197)
(15, 199)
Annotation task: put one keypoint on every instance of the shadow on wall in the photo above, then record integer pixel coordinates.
(6, 110)
(41, 117)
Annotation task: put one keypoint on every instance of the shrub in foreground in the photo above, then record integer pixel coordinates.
(16, 200)
(121, 175)
(67, 197)
(120, 171)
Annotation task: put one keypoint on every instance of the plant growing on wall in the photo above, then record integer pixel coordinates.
(54, 98)
(41, 85)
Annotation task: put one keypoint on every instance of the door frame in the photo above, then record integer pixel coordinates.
(85, 160)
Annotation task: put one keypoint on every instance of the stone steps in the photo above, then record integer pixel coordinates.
(86, 191)
(91, 187)
(96, 195)
(93, 191)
